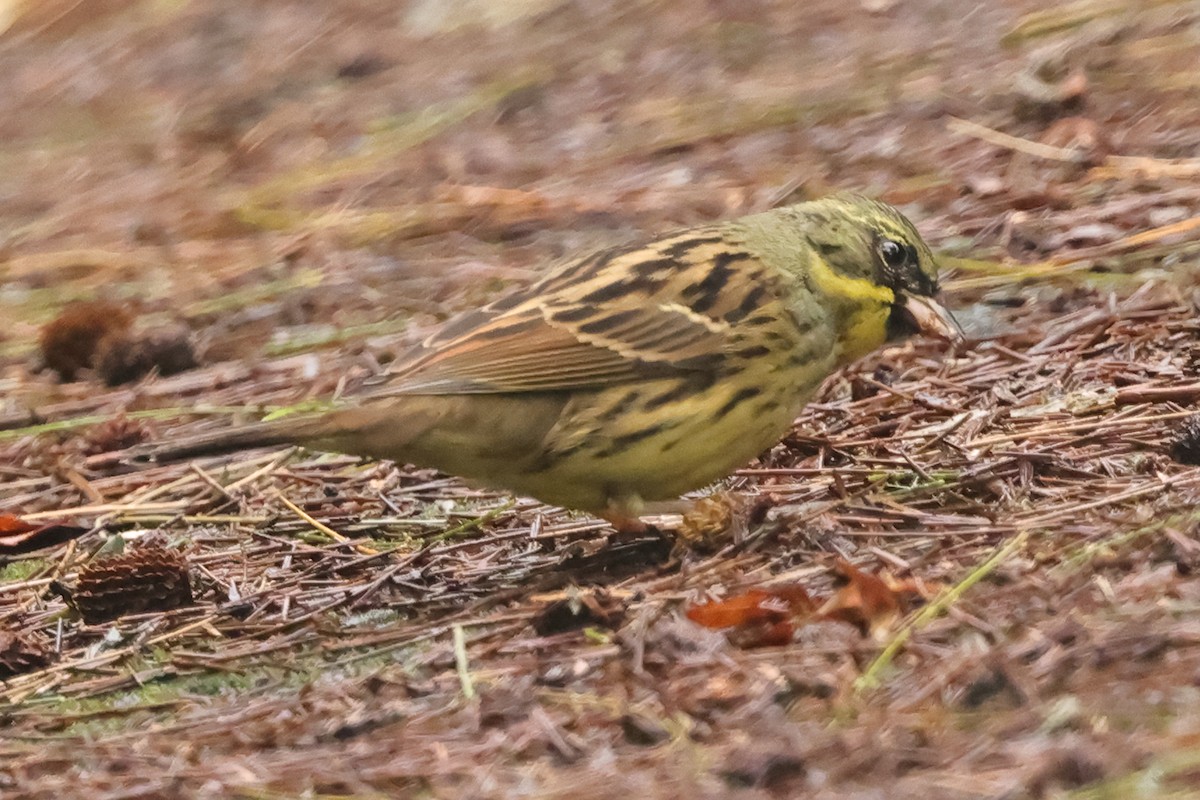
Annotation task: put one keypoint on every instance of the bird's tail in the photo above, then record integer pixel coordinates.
(373, 430)
(298, 431)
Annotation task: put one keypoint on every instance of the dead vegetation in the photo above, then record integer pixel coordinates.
(370, 630)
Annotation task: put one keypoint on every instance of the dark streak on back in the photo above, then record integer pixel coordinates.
(742, 396)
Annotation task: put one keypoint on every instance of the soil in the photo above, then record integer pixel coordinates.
(272, 200)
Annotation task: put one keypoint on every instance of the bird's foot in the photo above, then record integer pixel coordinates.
(707, 523)
(627, 524)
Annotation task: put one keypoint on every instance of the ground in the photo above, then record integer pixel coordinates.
(299, 190)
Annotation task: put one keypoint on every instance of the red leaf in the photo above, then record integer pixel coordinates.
(18, 536)
(773, 605)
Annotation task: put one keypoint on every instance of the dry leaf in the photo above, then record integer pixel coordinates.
(579, 609)
(762, 634)
(22, 652)
(765, 609)
(18, 536)
(865, 601)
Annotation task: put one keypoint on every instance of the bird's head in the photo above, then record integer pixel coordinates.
(874, 267)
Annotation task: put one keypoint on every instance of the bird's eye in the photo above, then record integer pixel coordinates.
(894, 254)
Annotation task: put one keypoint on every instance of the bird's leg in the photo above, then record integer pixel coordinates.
(624, 515)
(678, 507)
(625, 525)
(714, 517)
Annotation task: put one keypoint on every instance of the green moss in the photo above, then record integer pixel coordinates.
(908, 482)
(163, 695)
(22, 570)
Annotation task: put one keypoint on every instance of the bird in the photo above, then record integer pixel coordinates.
(639, 373)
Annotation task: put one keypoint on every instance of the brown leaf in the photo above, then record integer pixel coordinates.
(579, 609)
(18, 536)
(865, 601)
(911, 592)
(764, 633)
(22, 652)
(753, 606)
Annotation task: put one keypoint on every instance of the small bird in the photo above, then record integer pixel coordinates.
(641, 372)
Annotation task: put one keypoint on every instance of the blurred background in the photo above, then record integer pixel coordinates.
(260, 203)
(281, 175)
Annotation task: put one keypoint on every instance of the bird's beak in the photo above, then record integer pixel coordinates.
(929, 317)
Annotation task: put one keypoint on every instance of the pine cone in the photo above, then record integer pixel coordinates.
(713, 521)
(117, 433)
(124, 357)
(1186, 446)
(150, 578)
(69, 342)
(21, 653)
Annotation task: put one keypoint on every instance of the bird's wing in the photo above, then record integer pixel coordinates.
(621, 315)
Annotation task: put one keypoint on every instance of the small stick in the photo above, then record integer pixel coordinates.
(1157, 394)
(870, 677)
(460, 662)
(323, 528)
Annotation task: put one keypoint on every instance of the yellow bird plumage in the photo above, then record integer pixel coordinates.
(642, 372)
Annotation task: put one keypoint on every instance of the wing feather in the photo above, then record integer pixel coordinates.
(618, 316)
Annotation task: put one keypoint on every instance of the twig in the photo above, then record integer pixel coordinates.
(870, 677)
(1128, 395)
(323, 528)
(1010, 142)
(461, 663)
